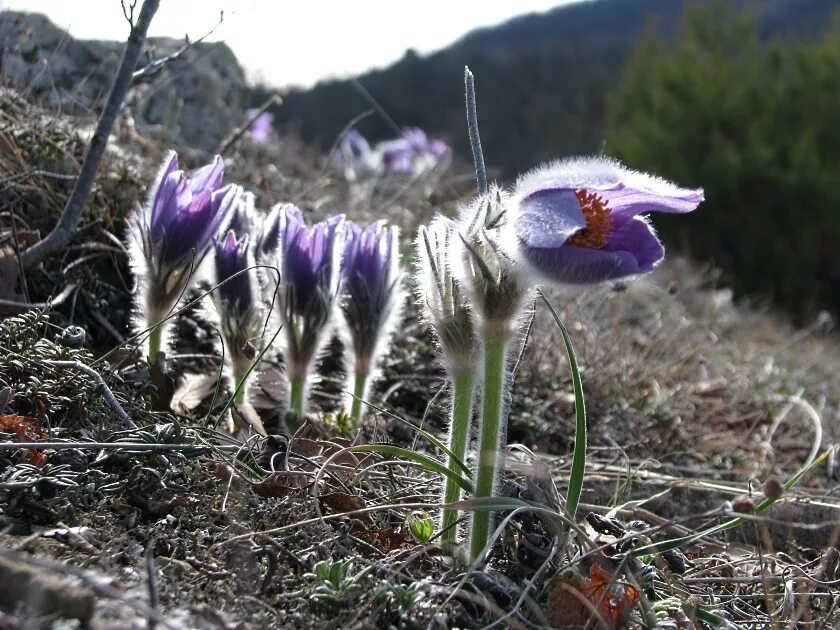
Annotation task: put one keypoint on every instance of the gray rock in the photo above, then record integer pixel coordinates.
(196, 99)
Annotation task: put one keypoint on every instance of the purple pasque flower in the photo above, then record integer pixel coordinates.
(354, 156)
(232, 261)
(171, 235)
(187, 212)
(308, 259)
(372, 289)
(578, 220)
(236, 301)
(412, 152)
(261, 127)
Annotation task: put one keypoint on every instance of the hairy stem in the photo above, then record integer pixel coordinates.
(296, 395)
(155, 338)
(495, 351)
(359, 385)
(67, 224)
(459, 437)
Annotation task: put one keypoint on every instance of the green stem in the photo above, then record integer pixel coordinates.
(298, 387)
(155, 337)
(495, 350)
(459, 437)
(359, 384)
(239, 397)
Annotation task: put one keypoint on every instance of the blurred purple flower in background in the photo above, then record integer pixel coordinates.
(309, 265)
(354, 156)
(261, 127)
(171, 235)
(373, 298)
(412, 152)
(577, 220)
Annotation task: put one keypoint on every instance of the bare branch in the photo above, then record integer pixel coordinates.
(153, 67)
(70, 216)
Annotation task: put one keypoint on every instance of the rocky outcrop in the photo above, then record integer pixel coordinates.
(196, 99)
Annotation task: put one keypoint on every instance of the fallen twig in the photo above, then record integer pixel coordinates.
(109, 395)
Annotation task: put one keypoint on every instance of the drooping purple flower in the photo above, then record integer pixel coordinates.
(372, 289)
(578, 220)
(172, 234)
(261, 127)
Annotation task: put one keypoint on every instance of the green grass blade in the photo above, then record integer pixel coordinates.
(431, 438)
(579, 456)
(425, 461)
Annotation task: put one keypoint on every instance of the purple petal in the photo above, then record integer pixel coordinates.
(208, 176)
(632, 248)
(547, 218)
(625, 201)
(231, 259)
(172, 195)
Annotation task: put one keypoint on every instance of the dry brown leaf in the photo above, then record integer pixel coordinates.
(614, 600)
(192, 390)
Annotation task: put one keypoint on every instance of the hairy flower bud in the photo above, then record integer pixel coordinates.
(442, 295)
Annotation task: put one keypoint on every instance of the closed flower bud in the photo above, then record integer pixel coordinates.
(172, 233)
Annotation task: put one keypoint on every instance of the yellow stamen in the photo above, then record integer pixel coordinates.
(598, 221)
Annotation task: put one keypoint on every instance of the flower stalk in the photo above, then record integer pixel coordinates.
(463, 386)
(492, 414)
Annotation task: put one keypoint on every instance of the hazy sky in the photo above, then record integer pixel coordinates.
(296, 41)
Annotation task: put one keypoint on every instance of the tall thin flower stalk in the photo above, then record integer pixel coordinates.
(497, 297)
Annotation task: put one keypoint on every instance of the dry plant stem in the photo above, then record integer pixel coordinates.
(495, 352)
(459, 436)
(72, 213)
(472, 126)
(109, 395)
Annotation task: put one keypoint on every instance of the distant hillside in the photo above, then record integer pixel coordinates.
(543, 79)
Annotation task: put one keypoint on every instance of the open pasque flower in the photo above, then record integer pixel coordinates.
(373, 299)
(172, 233)
(578, 220)
(309, 265)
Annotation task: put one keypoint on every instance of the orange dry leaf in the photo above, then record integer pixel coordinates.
(573, 603)
(26, 430)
